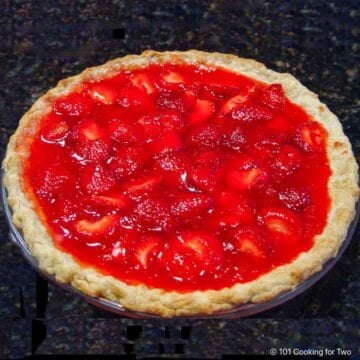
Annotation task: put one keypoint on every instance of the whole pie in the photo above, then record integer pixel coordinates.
(181, 183)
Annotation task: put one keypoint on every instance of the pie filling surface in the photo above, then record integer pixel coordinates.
(180, 177)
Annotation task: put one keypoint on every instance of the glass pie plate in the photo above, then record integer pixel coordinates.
(237, 312)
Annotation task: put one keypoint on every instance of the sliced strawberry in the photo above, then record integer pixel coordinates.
(173, 77)
(248, 113)
(273, 97)
(53, 180)
(170, 140)
(228, 199)
(224, 220)
(134, 97)
(173, 166)
(209, 92)
(223, 90)
(171, 119)
(237, 206)
(128, 160)
(91, 130)
(278, 127)
(232, 219)
(234, 102)
(142, 185)
(103, 93)
(176, 162)
(97, 150)
(244, 212)
(192, 255)
(189, 98)
(126, 131)
(202, 244)
(208, 158)
(171, 101)
(310, 137)
(205, 92)
(97, 227)
(55, 132)
(266, 149)
(87, 130)
(143, 82)
(271, 194)
(201, 112)
(288, 160)
(111, 114)
(145, 249)
(234, 138)
(187, 206)
(282, 223)
(153, 214)
(248, 240)
(202, 178)
(278, 225)
(251, 246)
(151, 127)
(204, 136)
(295, 199)
(96, 179)
(75, 104)
(113, 200)
(242, 180)
(243, 161)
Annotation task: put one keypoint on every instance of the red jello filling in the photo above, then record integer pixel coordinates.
(180, 177)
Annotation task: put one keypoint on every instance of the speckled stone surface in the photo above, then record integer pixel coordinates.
(43, 42)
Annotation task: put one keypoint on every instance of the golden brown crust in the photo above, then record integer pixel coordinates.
(343, 191)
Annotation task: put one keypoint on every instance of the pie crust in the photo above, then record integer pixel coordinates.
(343, 191)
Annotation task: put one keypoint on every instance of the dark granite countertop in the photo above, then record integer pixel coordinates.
(43, 42)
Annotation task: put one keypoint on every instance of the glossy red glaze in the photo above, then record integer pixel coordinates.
(180, 177)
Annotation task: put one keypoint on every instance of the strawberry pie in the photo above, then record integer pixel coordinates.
(181, 183)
